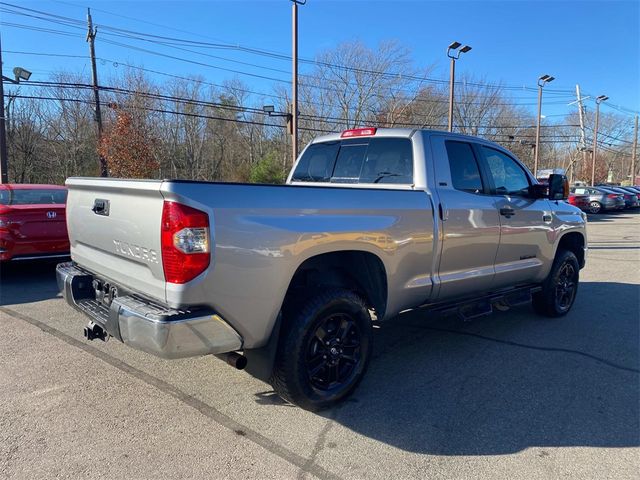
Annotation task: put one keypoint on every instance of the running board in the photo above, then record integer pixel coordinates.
(476, 307)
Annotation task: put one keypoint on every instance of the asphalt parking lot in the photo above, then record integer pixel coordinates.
(511, 395)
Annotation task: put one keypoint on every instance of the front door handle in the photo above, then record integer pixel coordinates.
(507, 211)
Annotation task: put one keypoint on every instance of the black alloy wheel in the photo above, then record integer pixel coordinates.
(566, 287)
(333, 352)
(324, 348)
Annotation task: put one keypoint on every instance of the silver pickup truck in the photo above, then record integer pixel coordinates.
(287, 280)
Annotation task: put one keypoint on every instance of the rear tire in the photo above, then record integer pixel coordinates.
(324, 350)
(595, 207)
(560, 288)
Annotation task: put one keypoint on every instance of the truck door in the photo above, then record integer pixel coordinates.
(526, 240)
(470, 224)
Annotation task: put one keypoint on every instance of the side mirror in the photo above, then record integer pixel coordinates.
(558, 187)
(538, 190)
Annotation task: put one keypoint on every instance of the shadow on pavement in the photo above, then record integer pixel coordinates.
(611, 216)
(507, 382)
(26, 282)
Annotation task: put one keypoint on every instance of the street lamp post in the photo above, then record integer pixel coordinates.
(20, 74)
(294, 78)
(544, 79)
(453, 52)
(600, 99)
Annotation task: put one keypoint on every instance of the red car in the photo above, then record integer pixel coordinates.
(33, 222)
(580, 201)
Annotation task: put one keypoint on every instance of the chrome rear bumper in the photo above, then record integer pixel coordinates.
(146, 326)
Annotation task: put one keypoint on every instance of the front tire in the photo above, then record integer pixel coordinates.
(560, 287)
(324, 350)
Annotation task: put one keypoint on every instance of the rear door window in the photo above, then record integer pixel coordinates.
(465, 172)
(363, 160)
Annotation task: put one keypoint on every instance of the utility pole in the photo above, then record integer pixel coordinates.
(583, 138)
(4, 173)
(294, 79)
(599, 99)
(91, 35)
(634, 153)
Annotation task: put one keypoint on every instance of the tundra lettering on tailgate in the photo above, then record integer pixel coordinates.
(136, 251)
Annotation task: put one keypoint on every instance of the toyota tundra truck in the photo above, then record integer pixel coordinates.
(286, 280)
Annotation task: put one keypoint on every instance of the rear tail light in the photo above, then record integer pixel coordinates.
(185, 242)
(613, 195)
(358, 132)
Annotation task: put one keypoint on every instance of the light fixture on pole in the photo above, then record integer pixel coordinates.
(542, 81)
(454, 50)
(600, 99)
(21, 74)
(271, 111)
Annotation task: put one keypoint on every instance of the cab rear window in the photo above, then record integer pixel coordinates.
(358, 160)
(32, 197)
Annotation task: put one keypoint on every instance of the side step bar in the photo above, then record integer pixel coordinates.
(471, 308)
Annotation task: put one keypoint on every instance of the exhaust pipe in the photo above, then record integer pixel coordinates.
(234, 359)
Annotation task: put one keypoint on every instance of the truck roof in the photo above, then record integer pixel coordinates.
(401, 132)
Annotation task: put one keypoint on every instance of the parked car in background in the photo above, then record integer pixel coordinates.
(600, 199)
(32, 222)
(630, 199)
(580, 201)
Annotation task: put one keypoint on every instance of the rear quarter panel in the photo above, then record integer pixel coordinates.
(262, 234)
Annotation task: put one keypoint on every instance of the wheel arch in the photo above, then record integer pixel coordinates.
(575, 243)
(358, 270)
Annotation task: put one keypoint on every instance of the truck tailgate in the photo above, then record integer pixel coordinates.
(114, 229)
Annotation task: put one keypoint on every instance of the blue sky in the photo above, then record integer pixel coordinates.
(595, 44)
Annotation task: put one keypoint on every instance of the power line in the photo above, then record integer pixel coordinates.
(124, 32)
(551, 139)
(241, 108)
(163, 40)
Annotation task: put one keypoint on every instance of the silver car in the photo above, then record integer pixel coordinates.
(631, 197)
(600, 199)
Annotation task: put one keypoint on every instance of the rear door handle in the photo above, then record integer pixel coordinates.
(444, 214)
(507, 211)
